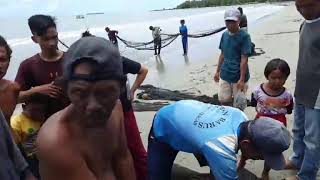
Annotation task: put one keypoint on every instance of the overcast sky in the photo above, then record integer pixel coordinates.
(10, 8)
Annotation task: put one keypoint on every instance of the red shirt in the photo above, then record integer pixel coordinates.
(34, 71)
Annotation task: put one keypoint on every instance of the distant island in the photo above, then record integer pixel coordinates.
(211, 3)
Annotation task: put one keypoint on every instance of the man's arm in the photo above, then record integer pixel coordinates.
(243, 70)
(24, 80)
(245, 52)
(243, 67)
(141, 76)
(220, 62)
(47, 89)
(123, 162)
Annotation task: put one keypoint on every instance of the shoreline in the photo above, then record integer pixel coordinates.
(284, 3)
(278, 37)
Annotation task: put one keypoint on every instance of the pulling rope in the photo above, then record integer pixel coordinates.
(66, 46)
(166, 40)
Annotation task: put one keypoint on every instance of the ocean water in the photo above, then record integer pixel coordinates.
(135, 27)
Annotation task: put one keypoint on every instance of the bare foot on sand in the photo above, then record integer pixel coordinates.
(290, 165)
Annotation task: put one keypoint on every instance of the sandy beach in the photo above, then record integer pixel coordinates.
(277, 36)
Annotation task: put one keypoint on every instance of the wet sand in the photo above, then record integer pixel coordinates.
(277, 35)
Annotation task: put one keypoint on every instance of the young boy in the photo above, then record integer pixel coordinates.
(37, 73)
(233, 72)
(26, 126)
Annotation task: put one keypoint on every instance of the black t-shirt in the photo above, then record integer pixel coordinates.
(129, 67)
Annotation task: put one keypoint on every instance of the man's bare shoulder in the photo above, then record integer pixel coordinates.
(53, 138)
(6, 84)
(54, 144)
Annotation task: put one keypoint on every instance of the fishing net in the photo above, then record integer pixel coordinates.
(167, 39)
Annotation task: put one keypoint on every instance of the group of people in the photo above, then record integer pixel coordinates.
(46, 91)
(77, 120)
(156, 35)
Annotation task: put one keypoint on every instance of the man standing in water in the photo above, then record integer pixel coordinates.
(243, 20)
(112, 34)
(86, 140)
(184, 34)
(156, 39)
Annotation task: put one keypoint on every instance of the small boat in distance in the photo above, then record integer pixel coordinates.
(80, 16)
(94, 13)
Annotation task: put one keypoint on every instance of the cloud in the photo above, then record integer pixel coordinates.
(55, 7)
(52, 6)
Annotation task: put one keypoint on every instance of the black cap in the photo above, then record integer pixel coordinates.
(99, 51)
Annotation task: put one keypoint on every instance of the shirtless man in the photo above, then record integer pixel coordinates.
(86, 140)
(8, 90)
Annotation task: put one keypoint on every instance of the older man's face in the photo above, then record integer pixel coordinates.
(94, 100)
(309, 9)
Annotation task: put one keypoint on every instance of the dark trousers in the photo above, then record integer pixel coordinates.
(185, 45)
(34, 166)
(157, 46)
(160, 159)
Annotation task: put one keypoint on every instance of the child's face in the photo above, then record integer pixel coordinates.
(309, 9)
(36, 111)
(232, 26)
(276, 79)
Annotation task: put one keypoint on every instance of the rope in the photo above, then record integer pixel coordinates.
(63, 44)
(166, 39)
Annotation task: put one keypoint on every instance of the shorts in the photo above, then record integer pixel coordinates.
(157, 41)
(228, 90)
(279, 117)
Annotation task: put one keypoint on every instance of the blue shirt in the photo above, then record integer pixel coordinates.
(196, 127)
(232, 47)
(184, 31)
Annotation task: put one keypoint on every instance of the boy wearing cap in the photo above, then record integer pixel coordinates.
(218, 133)
(306, 127)
(86, 140)
(232, 71)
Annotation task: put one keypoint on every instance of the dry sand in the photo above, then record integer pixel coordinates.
(278, 37)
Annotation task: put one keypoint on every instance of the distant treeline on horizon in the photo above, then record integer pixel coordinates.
(210, 3)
